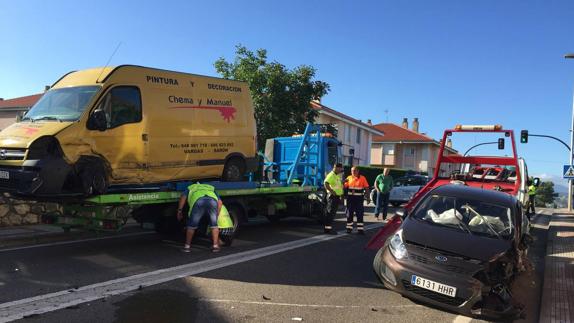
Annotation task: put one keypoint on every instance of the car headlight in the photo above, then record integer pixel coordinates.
(397, 247)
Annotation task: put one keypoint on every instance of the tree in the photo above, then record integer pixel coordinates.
(545, 194)
(281, 97)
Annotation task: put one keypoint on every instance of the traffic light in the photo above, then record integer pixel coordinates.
(500, 143)
(523, 136)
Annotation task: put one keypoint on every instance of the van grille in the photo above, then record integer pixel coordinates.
(453, 301)
(12, 154)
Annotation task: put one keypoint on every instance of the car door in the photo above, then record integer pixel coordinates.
(121, 144)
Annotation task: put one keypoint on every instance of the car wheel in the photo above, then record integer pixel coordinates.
(396, 204)
(234, 170)
(94, 178)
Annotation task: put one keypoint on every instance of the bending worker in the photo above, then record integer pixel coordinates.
(203, 201)
(357, 186)
(334, 186)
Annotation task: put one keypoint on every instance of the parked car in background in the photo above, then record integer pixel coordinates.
(459, 248)
(405, 188)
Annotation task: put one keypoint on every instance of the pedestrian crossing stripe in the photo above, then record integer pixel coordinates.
(569, 172)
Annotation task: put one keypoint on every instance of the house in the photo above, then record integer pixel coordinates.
(406, 148)
(12, 108)
(355, 135)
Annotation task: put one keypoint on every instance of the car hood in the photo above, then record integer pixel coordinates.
(452, 241)
(22, 134)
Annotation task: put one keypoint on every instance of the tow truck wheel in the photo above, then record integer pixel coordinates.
(234, 170)
(237, 214)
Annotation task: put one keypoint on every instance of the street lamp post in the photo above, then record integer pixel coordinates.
(571, 157)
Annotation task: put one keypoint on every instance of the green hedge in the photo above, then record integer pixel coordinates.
(371, 173)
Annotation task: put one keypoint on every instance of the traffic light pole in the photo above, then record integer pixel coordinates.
(571, 159)
(545, 136)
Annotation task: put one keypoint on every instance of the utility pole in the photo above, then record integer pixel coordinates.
(571, 157)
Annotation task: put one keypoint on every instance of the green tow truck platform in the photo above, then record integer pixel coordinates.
(294, 169)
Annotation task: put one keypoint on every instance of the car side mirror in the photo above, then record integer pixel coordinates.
(402, 213)
(97, 121)
(536, 181)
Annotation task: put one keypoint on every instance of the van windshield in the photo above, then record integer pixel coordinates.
(66, 104)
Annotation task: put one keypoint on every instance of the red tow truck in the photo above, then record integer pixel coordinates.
(506, 173)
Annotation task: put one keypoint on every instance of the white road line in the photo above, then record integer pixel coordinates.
(54, 301)
(59, 243)
(211, 300)
(462, 319)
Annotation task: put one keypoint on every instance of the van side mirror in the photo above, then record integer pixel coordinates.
(97, 121)
(501, 143)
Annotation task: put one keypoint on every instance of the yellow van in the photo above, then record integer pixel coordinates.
(129, 125)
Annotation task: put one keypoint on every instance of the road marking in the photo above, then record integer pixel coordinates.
(211, 300)
(54, 301)
(462, 319)
(77, 241)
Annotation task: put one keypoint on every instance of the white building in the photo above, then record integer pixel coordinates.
(356, 136)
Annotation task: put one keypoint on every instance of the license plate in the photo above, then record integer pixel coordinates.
(434, 286)
(4, 174)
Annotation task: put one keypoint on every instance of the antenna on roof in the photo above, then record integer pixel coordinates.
(108, 62)
(387, 115)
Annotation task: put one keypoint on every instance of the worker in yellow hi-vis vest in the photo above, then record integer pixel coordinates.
(531, 199)
(203, 201)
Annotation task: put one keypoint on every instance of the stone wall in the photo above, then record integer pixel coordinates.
(19, 212)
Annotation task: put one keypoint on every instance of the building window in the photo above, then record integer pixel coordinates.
(358, 135)
(388, 149)
(348, 133)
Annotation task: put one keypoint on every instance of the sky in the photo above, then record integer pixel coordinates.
(443, 61)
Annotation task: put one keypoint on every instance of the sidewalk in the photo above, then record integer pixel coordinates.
(557, 303)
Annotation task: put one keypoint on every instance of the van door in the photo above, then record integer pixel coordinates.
(121, 143)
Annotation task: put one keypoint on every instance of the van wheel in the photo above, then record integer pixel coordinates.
(234, 170)
(94, 179)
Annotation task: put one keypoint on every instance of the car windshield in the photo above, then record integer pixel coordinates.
(471, 216)
(66, 104)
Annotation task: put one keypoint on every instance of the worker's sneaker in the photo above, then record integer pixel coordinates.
(215, 249)
(186, 249)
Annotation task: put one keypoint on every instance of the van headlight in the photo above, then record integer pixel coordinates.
(397, 247)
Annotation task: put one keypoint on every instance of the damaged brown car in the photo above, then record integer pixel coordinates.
(459, 249)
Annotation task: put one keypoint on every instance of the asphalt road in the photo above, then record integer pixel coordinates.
(327, 280)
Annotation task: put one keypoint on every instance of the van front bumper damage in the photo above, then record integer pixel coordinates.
(35, 177)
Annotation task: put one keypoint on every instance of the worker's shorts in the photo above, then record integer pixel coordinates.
(205, 206)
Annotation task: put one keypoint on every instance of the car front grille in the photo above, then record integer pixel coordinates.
(453, 301)
(439, 265)
(12, 154)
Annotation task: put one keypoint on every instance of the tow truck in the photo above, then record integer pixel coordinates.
(503, 173)
(508, 174)
(293, 172)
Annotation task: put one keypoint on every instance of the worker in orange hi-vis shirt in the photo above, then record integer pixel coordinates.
(357, 188)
